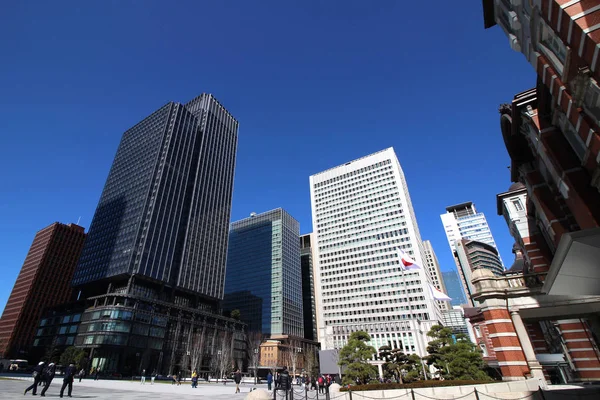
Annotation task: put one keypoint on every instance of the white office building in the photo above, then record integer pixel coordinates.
(462, 221)
(433, 265)
(361, 213)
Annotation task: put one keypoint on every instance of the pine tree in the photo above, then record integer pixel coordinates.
(355, 356)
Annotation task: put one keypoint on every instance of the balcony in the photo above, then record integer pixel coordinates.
(575, 265)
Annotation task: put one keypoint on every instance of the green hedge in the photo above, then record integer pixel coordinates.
(413, 385)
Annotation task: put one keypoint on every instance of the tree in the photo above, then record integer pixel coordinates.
(254, 340)
(355, 356)
(74, 355)
(197, 349)
(399, 364)
(310, 362)
(294, 350)
(235, 314)
(225, 359)
(454, 356)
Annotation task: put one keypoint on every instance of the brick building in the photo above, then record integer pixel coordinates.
(44, 281)
(539, 325)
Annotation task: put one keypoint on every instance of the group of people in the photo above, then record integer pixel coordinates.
(44, 373)
(284, 381)
(152, 377)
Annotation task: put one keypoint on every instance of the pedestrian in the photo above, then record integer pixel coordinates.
(68, 380)
(284, 382)
(143, 381)
(195, 378)
(237, 377)
(179, 376)
(269, 380)
(153, 377)
(97, 374)
(37, 377)
(81, 374)
(321, 382)
(49, 373)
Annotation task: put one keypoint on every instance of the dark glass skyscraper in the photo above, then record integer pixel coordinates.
(152, 270)
(454, 287)
(308, 287)
(264, 279)
(164, 211)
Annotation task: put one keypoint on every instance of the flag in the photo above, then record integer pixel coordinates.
(407, 263)
(438, 295)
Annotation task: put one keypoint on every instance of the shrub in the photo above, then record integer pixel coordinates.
(413, 385)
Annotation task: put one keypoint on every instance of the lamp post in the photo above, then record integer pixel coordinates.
(219, 366)
(255, 364)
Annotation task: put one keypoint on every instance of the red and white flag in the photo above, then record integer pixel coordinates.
(407, 263)
(438, 294)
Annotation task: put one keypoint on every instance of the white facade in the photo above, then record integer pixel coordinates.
(514, 210)
(433, 265)
(361, 212)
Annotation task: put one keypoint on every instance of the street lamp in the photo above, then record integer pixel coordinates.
(219, 366)
(255, 364)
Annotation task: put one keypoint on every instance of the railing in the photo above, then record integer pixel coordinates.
(410, 394)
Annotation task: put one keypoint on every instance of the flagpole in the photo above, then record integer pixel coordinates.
(418, 335)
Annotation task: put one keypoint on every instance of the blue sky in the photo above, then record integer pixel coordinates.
(314, 84)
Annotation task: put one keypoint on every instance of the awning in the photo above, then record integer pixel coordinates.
(575, 269)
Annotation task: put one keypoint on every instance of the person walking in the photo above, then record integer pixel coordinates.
(179, 377)
(68, 380)
(269, 380)
(49, 373)
(143, 381)
(321, 382)
(81, 374)
(237, 377)
(97, 374)
(195, 378)
(284, 381)
(153, 377)
(37, 378)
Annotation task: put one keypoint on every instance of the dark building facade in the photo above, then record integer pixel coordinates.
(152, 270)
(263, 263)
(44, 281)
(308, 287)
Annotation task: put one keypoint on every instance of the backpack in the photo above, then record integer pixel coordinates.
(321, 382)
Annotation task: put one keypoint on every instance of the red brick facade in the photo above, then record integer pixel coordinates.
(44, 281)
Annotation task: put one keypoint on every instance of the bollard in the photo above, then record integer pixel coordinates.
(412, 393)
(541, 392)
(476, 394)
(350, 392)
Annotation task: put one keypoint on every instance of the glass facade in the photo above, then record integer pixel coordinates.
(264, 277)
(165, 208)
(308, 288)
(454, 288)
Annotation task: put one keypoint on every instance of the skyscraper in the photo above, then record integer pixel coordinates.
(454, 287)
(433, 265)
(264, 278)
(309, 309)
(153, 266)
(462, 221)
(472, 254)
(164, 211)
(361, 214)
(44, 281)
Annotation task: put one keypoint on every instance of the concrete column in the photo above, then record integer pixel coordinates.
(534, 366)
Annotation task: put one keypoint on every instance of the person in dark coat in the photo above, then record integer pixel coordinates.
(49, 373)
(37, 378)
(269, 380)
(237, 377)
(68, 380)
(284, 381)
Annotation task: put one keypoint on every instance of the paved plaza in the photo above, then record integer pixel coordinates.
(128, 390)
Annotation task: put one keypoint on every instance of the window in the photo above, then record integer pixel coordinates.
(552, 46)
(483, 349)
(477, 331)
(517, 204)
